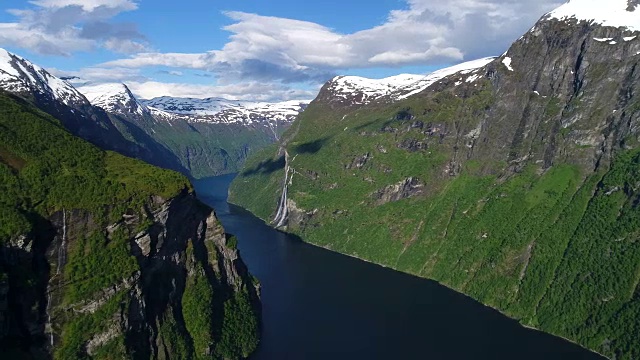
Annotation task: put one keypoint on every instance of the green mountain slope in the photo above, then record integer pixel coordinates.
(203, 149)
(517, 185)
(103, 256)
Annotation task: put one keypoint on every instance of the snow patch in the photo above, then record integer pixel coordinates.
(629, 38)
(426, 81)
(602, 39)
(361, 91)
(507, 62)
(612, 13)
(472, 78)
(5, 63)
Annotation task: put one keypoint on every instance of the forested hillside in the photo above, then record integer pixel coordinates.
(104, 256)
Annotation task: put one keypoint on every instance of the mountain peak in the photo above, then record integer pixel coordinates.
(354, 90)
(114, 98)
(613, 13)
(19, 75)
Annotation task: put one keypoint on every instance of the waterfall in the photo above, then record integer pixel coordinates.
(63, 244)
(62, 258)
(283, 211)
(275, 133)
(49, 319)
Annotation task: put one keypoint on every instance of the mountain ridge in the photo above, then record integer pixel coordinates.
(197, 145)
(354, 90)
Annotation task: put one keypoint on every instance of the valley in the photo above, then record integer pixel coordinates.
(489, 209)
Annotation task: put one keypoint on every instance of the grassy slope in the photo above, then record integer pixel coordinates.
(209, 149)
(559, 251)
(44, 169)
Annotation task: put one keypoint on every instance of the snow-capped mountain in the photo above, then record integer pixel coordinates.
(223, 111)
(194, 106)
(356, 90)
(64, 102)
(114, 98)
(18, 75)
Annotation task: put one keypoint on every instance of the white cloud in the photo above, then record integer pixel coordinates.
(402, 56)
(265, 54)
(178, 60)
(63, 27)
(87, 5)
(147, 88)
(94, 75)
(124, 46)
(426, 33)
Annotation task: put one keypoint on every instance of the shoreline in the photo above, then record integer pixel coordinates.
(529, 327)
(461, 293)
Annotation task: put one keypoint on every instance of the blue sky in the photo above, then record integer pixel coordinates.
(256, 49)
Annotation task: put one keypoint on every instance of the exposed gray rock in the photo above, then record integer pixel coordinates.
(381, 149)
(103, 296)
(407, 188)
(143, 241)
(299, 217)
(103, 338)
(359, 162)
(412, 145)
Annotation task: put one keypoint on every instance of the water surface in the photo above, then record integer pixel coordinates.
(319, 304)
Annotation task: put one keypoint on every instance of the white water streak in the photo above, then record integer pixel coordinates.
(283, 210)
(49, 319)
(63, 244)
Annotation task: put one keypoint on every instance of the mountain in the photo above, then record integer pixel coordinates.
(223, 111)
(516, 183)
(18, 75)
(60, 99)
(115, 99)
(208, 136)
(197, 137)
(354, 90)
(106, 257)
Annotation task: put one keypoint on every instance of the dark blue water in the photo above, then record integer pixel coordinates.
(322, 305)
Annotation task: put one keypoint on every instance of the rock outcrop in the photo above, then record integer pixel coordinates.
(168, 240)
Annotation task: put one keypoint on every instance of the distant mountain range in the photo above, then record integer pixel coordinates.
(199, 137)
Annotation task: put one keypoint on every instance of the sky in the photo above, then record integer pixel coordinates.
(267, 50)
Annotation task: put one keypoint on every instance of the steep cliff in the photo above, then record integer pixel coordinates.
(515, 182)
(103, 256)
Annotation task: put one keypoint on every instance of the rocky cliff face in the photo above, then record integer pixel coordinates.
(578, 78)
(515, 182)
(72, 306)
